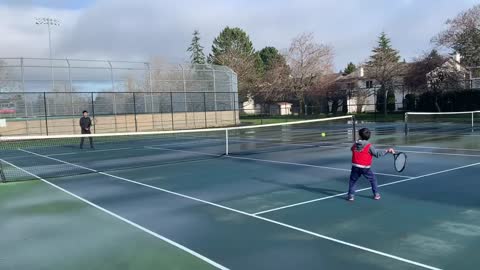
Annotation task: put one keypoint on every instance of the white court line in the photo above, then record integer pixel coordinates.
(399, 147)
(273, 161)
(363, 189)
(440, 154)
(431, 147)
(335, 240)
(171, 242)
(90, 152)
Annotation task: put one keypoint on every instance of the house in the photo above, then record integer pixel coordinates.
(250, 107)
(362, 89)
(280, 108)
(451, 69)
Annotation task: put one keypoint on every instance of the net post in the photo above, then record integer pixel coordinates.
(354, 126)
(45, 111)
(473, 125)
(226, 142)
(405, 120)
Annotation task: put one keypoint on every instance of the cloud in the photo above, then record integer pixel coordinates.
(141, 29)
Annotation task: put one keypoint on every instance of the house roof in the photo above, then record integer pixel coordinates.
(368, 73)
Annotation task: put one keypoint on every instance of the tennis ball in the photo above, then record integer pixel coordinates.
(323, 134)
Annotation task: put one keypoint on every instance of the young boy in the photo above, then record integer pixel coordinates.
(362, 155)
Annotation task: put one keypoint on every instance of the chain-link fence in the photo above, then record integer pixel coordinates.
(46, 96)
(47, 113)
(74, 75)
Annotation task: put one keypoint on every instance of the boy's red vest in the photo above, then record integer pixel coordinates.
(363, 158)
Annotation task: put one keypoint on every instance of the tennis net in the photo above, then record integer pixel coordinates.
(458, 123)
(60, 155)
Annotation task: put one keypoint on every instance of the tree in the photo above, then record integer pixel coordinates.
(463, 35)
(197, 56)
(270, 57)
(275, 82)
(350, 68)
(416, 75)
(231, 40)
(233, 48)
(384, 67)
(442, 78)
(308, 61)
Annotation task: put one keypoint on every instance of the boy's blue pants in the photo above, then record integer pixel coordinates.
(356, 173)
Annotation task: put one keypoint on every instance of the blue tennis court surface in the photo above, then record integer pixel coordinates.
(275, 202)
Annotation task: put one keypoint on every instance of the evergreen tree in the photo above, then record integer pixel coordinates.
(233, 48)
(197, 56)
(384, 66)
(231, 40)
(350, 68)
(270, 57)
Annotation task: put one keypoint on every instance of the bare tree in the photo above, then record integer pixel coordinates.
(246, 68)
(275, 83)
(443, 78)
(457, 26)
(463, 35)
(308, 61)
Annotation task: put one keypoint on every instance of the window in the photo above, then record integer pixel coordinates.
(369, 84)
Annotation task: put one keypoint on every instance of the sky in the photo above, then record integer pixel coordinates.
(143, 29)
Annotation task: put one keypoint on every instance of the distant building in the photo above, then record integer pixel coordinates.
(361, 88)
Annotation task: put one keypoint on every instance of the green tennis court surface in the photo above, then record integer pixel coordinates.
(277, 201)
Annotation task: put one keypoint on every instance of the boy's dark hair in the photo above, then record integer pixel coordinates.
(84, 112)
(364, 133)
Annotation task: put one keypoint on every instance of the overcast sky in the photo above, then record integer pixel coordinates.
(140, 29)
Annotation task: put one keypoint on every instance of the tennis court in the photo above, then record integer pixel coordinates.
(263, 197)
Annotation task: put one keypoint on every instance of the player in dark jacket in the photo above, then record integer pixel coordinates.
(85, 125)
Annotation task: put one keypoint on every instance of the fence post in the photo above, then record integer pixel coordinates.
(151, 92)
(22, 72)
(45, 111)
(234, 109)
(171, 110)
(135, 112)
(185, 97)
(93, 113)
(205, 108)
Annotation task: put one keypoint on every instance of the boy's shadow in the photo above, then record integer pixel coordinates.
(323, 191)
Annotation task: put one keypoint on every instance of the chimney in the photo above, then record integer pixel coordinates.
(458, 57)
(362, 72)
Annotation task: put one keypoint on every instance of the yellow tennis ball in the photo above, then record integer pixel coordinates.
(323, 134)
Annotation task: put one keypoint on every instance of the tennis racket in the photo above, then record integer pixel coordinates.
(399, 161)
(3, 179)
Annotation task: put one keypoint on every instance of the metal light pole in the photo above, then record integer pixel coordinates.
(49, 22)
